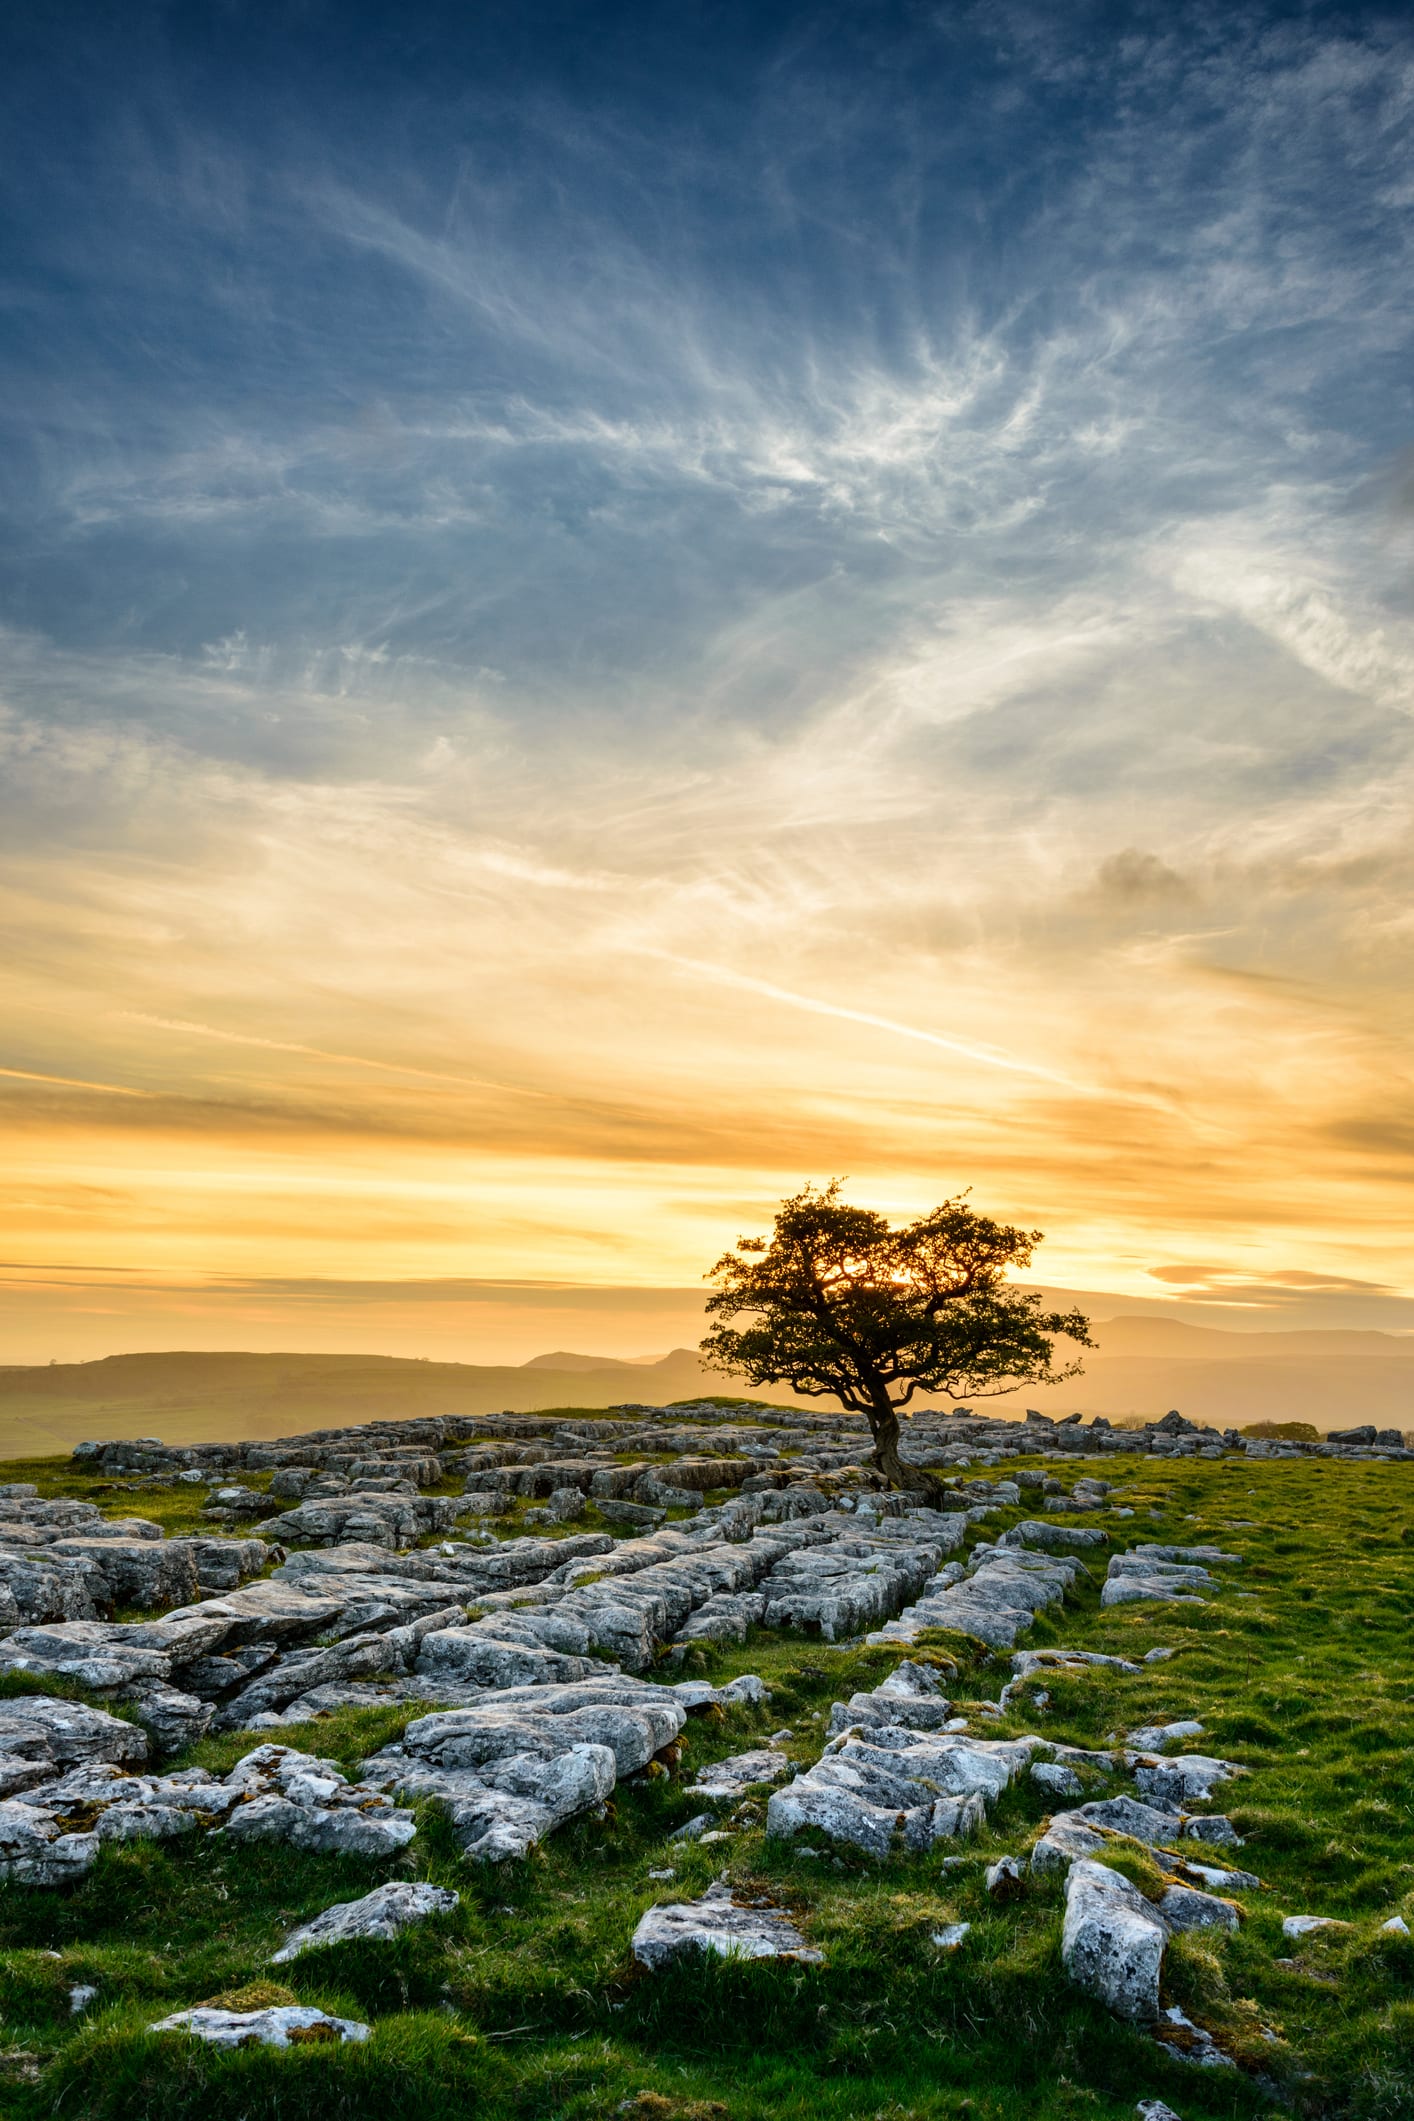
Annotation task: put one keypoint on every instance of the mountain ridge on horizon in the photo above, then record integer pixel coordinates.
(1141, 1366)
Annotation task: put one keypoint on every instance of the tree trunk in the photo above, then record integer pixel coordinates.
(913, 1480)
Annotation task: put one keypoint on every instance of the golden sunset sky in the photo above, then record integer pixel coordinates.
(589, 639)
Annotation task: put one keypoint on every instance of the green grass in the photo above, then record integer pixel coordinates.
(526, 2001)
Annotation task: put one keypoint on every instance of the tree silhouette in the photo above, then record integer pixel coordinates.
(844, 1304)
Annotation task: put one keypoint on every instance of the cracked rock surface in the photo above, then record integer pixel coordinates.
(881, 1780)
(382, 1913)
(720, 1922)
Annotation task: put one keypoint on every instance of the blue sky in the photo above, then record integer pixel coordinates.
(610, 610)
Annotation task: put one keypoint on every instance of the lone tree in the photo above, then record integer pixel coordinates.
(843, 1304)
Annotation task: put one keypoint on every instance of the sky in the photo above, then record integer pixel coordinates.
(606, 612)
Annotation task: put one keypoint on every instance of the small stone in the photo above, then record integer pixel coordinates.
(695, 1828)
(743, 1771)
(1182, 1780)
(750, 1688)
(1184, 1908)
(1214, 1828)
(1395, 1927)
(948, 1940)
(1150, 1737)
(1303, 1925)
(1221, 1881)
(81, 1997)
(1192, 2044)
(1056, 1779)
(1155, 2110)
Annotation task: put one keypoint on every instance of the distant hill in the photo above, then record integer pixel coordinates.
(1332, 1379)
(204, 1397)
(580, 1365)
(1142, 1366)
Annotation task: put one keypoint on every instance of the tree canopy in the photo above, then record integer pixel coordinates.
(843, 1304)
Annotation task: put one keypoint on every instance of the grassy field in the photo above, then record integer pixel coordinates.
(526, 2002)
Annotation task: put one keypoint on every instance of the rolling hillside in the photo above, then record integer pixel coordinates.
(1142, 1366)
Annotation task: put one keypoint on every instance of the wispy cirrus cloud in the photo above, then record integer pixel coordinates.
(605, 654)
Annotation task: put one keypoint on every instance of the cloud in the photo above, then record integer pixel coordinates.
(1274, 1287)
(570, 669)
(1135, 877)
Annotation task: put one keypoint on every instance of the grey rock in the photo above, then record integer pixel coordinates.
(1073, 1836)
(63, 1734)
(174, 1719)
(1183, 1908)
(1003, 1877)
(291, 1796)
(1056, 1779)
(635, 1513)
(1304, 1925)
(128, 1807)
(893, 1782)
(1066, 1840)
(1151, 1737)
(234, 1500)
(1112, 1941)
(721, 1924)
(996, 1599)
(1213, 1828)
(225, 1564)
(725, 1617)
(382, 1913)
(1148, 1823)
(509, 1771)
(91, 1652)
(282, 2025)
(480, 1654)
(35, 1849)
(1214, 1880)
(731, 1778)
(358, 1657)
(500, 1809)
(890, 1770)
(481, 1502)
(1195, 2044)
(272, 1612)
(1140, 1590)
(142, 1572)
(1055, 1537)
(44, 1587)
(1183, 1780)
